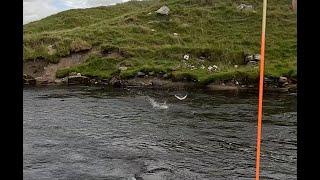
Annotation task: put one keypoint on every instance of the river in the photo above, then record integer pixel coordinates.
(94, 133)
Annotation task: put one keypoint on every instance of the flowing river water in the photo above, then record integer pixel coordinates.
(91, 133)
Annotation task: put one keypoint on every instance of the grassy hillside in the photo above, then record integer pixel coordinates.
(145, 41)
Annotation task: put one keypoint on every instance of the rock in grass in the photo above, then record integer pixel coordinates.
(245, 7)
(252, 63)
(256, 57)
(51, 50)
(164, 10)
(283, 79)
(186, 57)
(123, 68)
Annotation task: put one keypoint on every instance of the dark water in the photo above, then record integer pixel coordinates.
(82, 133)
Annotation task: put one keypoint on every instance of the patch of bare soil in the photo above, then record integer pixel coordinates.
(45, 71)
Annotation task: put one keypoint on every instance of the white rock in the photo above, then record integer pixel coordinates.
(215, 67)
(235, 66)
(256, 57)
(186, 56)
(78, 74)
(210, 68)
(283, 79)
(175, 34)
(203, 67)
(245, 7)
(153, 30)
(123, 68)
(164, 10)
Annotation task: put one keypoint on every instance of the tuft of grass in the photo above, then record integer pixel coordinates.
(214, 30)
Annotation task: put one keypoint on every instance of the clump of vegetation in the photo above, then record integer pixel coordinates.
(210, 32)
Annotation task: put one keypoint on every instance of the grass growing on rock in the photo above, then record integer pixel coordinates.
(132, 35)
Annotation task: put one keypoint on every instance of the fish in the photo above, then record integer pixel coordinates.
(181, 98)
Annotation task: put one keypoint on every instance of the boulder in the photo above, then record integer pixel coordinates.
(28, 80)
(283, 79)
(164, 10)
(114, 81)
(76, 80)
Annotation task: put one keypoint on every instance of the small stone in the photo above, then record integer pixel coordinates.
(256, 57)
(248, 58)
(140, 74)
(114, 81)
(123, 68)
(285, 84)
(64, 80)
(235, 66)
(51, 50)
(283, 79)
(151, 73)
(58, 81)
(203, 67)
(186, 56)
(215, 67)
(73, 74)
(149, 13)
(223, 84)
(245, 7)
(252, 63)
(165, 75)
(175, 34)
(78, 74)
(153, 30)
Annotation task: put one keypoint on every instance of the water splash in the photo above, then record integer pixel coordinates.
(157, 105)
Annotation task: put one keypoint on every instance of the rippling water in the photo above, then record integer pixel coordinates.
(87, 133)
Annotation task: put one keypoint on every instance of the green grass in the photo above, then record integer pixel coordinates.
(214, 29)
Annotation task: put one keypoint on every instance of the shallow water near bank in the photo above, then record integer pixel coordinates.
(94, 133)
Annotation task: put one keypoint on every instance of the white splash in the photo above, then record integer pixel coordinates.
(157, 105)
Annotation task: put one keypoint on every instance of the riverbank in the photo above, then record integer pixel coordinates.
(196, 43)
(164, 84)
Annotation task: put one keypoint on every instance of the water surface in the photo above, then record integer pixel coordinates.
(87, 133)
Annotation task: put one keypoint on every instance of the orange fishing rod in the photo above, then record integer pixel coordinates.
(259, 127)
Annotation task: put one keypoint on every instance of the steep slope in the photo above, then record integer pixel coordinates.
(132, 35)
